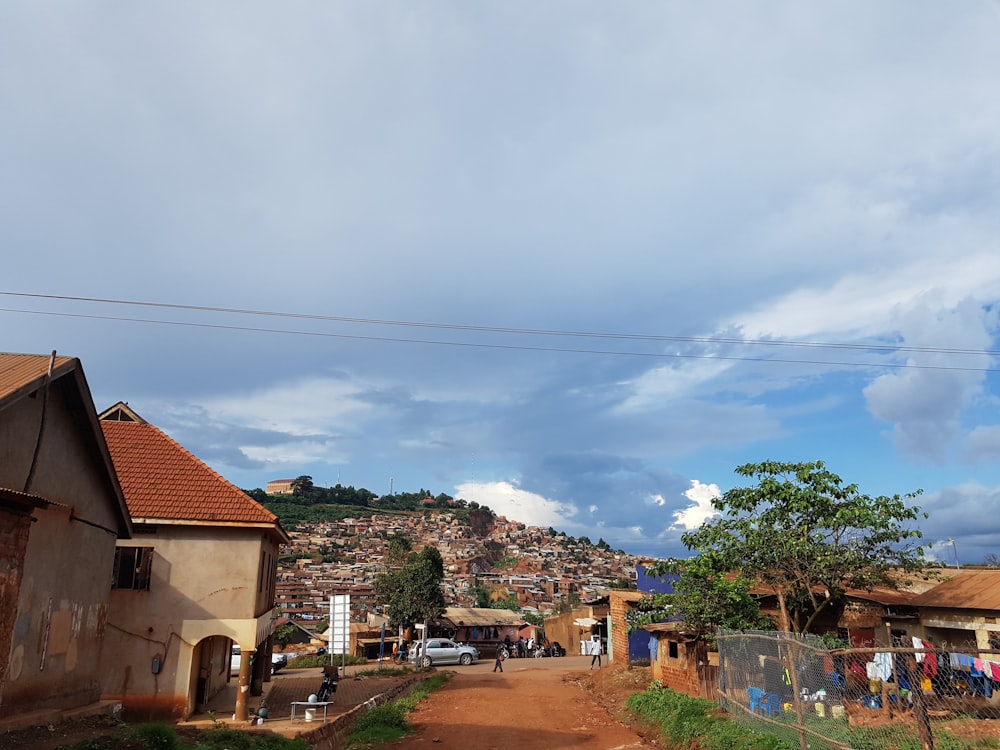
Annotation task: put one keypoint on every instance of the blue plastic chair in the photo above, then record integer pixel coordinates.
(772, 704)
(756, 695)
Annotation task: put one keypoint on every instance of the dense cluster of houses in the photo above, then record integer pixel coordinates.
(546, 570)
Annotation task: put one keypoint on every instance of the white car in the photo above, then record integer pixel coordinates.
(234, 660)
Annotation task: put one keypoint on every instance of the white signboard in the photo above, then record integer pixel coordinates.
(340, 624)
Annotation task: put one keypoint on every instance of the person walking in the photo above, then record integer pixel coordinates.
(595, 649)
(498, 664)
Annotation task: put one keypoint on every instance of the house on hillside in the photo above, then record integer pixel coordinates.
(280, 487)
(61, 513)
(197, 577)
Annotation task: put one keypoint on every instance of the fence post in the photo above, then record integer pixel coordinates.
(920, 706)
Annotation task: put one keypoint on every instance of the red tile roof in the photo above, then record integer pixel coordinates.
(163, 481)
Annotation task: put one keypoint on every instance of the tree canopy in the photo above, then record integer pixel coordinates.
(803, 534)
(411, 588)
(703, 597)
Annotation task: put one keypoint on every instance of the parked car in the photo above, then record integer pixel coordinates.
(278, 661)
(234, 660)
(444, 651)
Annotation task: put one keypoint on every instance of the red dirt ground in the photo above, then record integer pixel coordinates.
(536, 704)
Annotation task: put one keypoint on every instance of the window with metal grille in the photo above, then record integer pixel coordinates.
(132, 568)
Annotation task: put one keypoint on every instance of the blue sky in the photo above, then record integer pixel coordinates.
(783, 218)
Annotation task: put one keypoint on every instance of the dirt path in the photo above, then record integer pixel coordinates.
(536, 704)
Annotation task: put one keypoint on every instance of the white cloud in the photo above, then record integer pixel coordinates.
(302, 407)
(507, 499)
(293, 456)
(700, 510)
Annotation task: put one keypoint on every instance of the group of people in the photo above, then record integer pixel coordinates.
(522, 648)
(400, 651)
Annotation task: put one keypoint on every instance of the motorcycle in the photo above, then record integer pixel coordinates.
(327, 689)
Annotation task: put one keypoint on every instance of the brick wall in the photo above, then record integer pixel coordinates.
(14, 528)
(619, 628)
(678, 672)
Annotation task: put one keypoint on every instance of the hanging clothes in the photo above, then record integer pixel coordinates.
(883, 666)
(930, 660)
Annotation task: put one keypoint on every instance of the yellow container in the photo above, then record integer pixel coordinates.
(820, 709)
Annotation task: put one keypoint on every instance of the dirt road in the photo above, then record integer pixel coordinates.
(536, 704)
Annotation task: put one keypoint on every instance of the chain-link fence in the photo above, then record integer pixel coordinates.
(917, 696)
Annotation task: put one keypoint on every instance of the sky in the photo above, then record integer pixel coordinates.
(575, 261)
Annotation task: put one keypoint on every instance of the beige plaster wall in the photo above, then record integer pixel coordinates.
(204, 591)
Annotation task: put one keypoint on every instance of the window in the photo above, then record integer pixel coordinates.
(132, 568)
(672, 649)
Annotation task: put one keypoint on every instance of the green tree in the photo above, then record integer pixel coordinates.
(302, 486)
(285, 634)
(703, 597)
(509, 603)
(801, 533)
(481, 595)
(412, 592)
(398, 551)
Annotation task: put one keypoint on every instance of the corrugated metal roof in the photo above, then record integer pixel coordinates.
(163, 481)
(478, 617)
(27, 371)
(964, 589)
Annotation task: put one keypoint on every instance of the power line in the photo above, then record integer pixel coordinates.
(510, 347)
(503, 329)
(875, 347)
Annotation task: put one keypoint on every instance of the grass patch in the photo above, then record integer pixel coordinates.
(388, 723)
(157, 736)
(687, 722)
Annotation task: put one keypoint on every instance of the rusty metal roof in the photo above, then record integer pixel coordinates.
(963, 589)
(481, 617)
(24, 373)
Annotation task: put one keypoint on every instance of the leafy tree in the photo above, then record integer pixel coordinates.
(807, 537)
(481, 595)
(412, 592)
(285, 634)
(533, 619)
(302, 486)
(510, 603)
(704, 598)
(398, 551)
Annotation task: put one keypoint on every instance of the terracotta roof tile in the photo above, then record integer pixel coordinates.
(162, 480)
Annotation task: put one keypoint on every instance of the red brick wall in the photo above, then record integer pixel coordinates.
(14, 529)
(619, 628)
(681, 673)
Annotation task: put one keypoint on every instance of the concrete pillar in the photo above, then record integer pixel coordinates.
(243, 685)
